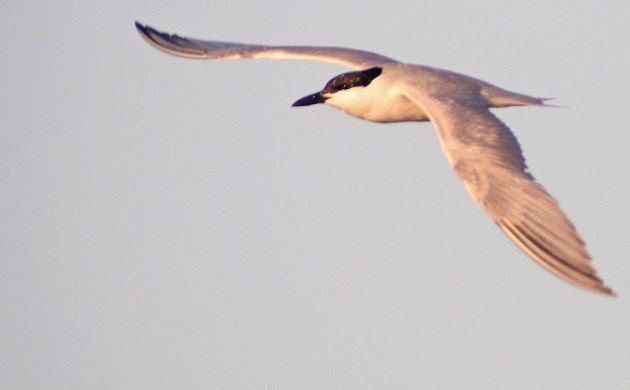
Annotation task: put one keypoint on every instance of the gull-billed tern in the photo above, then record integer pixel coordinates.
(481, 149)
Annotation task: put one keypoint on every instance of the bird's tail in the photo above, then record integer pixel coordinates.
(499, 97)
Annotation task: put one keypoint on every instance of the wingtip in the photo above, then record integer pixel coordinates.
(170, 43)
(146, 34)
(601, 288)
(142, 29)
(146, 31)
(139, 26)
(608, 291)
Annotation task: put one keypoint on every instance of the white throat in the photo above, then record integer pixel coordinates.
(380, 101)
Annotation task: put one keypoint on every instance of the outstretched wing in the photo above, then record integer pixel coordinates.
(215, 50)
(487, 157)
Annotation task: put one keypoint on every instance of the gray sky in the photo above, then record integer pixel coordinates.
(169, 223)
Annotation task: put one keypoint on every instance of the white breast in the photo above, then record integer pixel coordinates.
(381, 101)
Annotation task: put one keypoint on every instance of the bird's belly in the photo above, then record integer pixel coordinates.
(395, 108)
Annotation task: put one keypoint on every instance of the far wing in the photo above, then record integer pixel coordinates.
(194, 48)
(487, 157)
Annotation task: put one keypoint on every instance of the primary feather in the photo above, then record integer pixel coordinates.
(481, 149)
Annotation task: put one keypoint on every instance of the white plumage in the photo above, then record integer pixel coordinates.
(481, 149)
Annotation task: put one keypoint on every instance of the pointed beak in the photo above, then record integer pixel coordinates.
(315, 98)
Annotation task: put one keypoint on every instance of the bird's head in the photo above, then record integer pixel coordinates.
(343, 91)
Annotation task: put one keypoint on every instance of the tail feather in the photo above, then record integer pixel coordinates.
(498, 97)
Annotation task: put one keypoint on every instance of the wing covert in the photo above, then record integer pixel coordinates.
(487, 157)
(200, 49)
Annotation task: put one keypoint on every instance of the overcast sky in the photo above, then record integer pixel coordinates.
(169, 223)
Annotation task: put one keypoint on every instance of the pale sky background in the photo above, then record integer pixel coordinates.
(175, 224)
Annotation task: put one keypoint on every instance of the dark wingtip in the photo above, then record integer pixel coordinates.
(141, 29)
(146, 33)
(170, 43)
(149, 33)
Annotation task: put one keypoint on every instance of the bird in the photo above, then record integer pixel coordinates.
(481, 149)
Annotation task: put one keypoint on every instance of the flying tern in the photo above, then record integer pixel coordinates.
(479, 147)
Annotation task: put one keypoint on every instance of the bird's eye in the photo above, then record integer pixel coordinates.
(340, 83)
(336, 85)
(351, 80)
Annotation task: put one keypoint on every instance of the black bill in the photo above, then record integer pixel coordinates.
(315, 98)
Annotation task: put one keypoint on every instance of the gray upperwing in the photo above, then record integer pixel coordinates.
(487, 157)
(200, 49)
